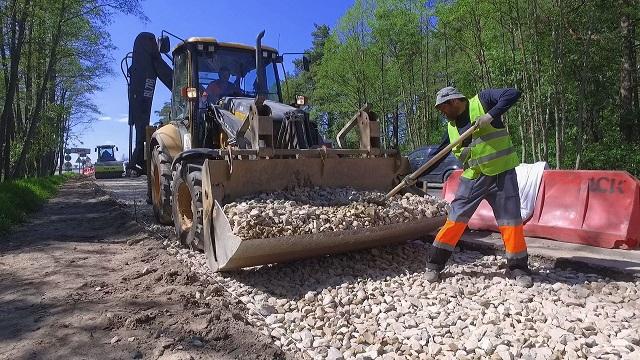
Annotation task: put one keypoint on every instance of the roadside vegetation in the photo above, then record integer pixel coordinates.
(576, 63)
(18, 198)
(55, 55)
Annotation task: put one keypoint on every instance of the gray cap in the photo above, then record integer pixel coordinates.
(448, 93)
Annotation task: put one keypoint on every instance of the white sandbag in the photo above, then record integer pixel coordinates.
(529, 179)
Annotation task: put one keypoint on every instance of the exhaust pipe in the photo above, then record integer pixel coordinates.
(260, 72)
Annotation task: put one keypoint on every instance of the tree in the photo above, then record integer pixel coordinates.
(53, 54)
(164, 114)
(576, 63)
(629, 106)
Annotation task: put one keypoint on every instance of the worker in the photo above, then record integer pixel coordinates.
(489, 161)
(222, 86)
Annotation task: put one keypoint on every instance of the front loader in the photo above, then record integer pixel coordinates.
(220, 145)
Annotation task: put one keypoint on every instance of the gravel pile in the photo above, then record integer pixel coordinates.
(375, 305)
(313, 210)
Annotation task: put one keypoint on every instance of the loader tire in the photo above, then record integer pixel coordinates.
(161, 185)
(187, 204)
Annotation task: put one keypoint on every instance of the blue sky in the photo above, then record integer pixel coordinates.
(288, 26)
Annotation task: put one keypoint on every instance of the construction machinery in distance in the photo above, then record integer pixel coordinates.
(229, 135)
(106, 165)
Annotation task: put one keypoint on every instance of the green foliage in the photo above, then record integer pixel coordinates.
(611, 154)
(164, 114)
(56, 56)
(21, 197)
(568, 58)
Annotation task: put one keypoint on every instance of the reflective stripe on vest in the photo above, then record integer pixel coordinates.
(490, 136)
(490, 151)
(487, 158)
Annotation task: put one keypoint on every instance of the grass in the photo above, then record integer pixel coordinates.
(21, 197)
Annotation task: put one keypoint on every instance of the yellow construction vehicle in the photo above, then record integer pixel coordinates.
(230, 135)
(106, 165)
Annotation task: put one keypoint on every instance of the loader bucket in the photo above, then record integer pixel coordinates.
(223, 182)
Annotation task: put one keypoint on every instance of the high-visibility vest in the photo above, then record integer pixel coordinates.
(490, 152)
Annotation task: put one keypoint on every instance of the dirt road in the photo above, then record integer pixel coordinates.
(82, 280)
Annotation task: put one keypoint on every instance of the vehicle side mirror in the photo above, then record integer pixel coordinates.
(164, 44)
(96, 150)
(116, 148)
(305, 63)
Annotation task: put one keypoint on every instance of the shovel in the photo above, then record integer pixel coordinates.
(411, 178)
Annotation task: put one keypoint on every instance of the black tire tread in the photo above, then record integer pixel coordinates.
(192, 177)
(163, 214)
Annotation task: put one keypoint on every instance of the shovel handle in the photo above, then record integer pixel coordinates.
(411, 178)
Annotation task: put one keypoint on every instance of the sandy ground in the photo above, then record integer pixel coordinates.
(82, 280)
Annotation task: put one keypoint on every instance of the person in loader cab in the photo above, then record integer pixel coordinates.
(107, 156)
(489, 160)
(221, 87)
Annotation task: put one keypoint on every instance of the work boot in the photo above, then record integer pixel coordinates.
(522, 277)
(431, 275)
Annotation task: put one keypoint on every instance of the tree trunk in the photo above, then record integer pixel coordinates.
(485, 70)
(62, 143)
(15, 50)
(406, 120)
(582, 118)
(383, 117)
(19, 168)
(396, 131)
(3, 54)
(5, 149)
(557, 69)
(523, 155)
(446, 54)
(628, 87)
(424, 66)
(527, 89)
(545, 140)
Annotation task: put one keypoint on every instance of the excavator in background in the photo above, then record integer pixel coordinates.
(230, 135)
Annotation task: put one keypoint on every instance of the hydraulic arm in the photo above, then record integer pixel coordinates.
(146, 66)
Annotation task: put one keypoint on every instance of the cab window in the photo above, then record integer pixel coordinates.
(179, 104)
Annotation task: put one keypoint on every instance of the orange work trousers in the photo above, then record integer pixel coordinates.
(501, 191)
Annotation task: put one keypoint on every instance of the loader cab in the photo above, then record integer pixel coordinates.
(205, 71)
(106, 153)
(235, 66)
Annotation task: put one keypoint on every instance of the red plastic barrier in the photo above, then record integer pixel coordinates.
(597, 208)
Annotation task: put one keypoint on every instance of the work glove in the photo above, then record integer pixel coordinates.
(484, 120)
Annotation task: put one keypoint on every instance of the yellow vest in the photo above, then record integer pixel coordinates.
(490, 152)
